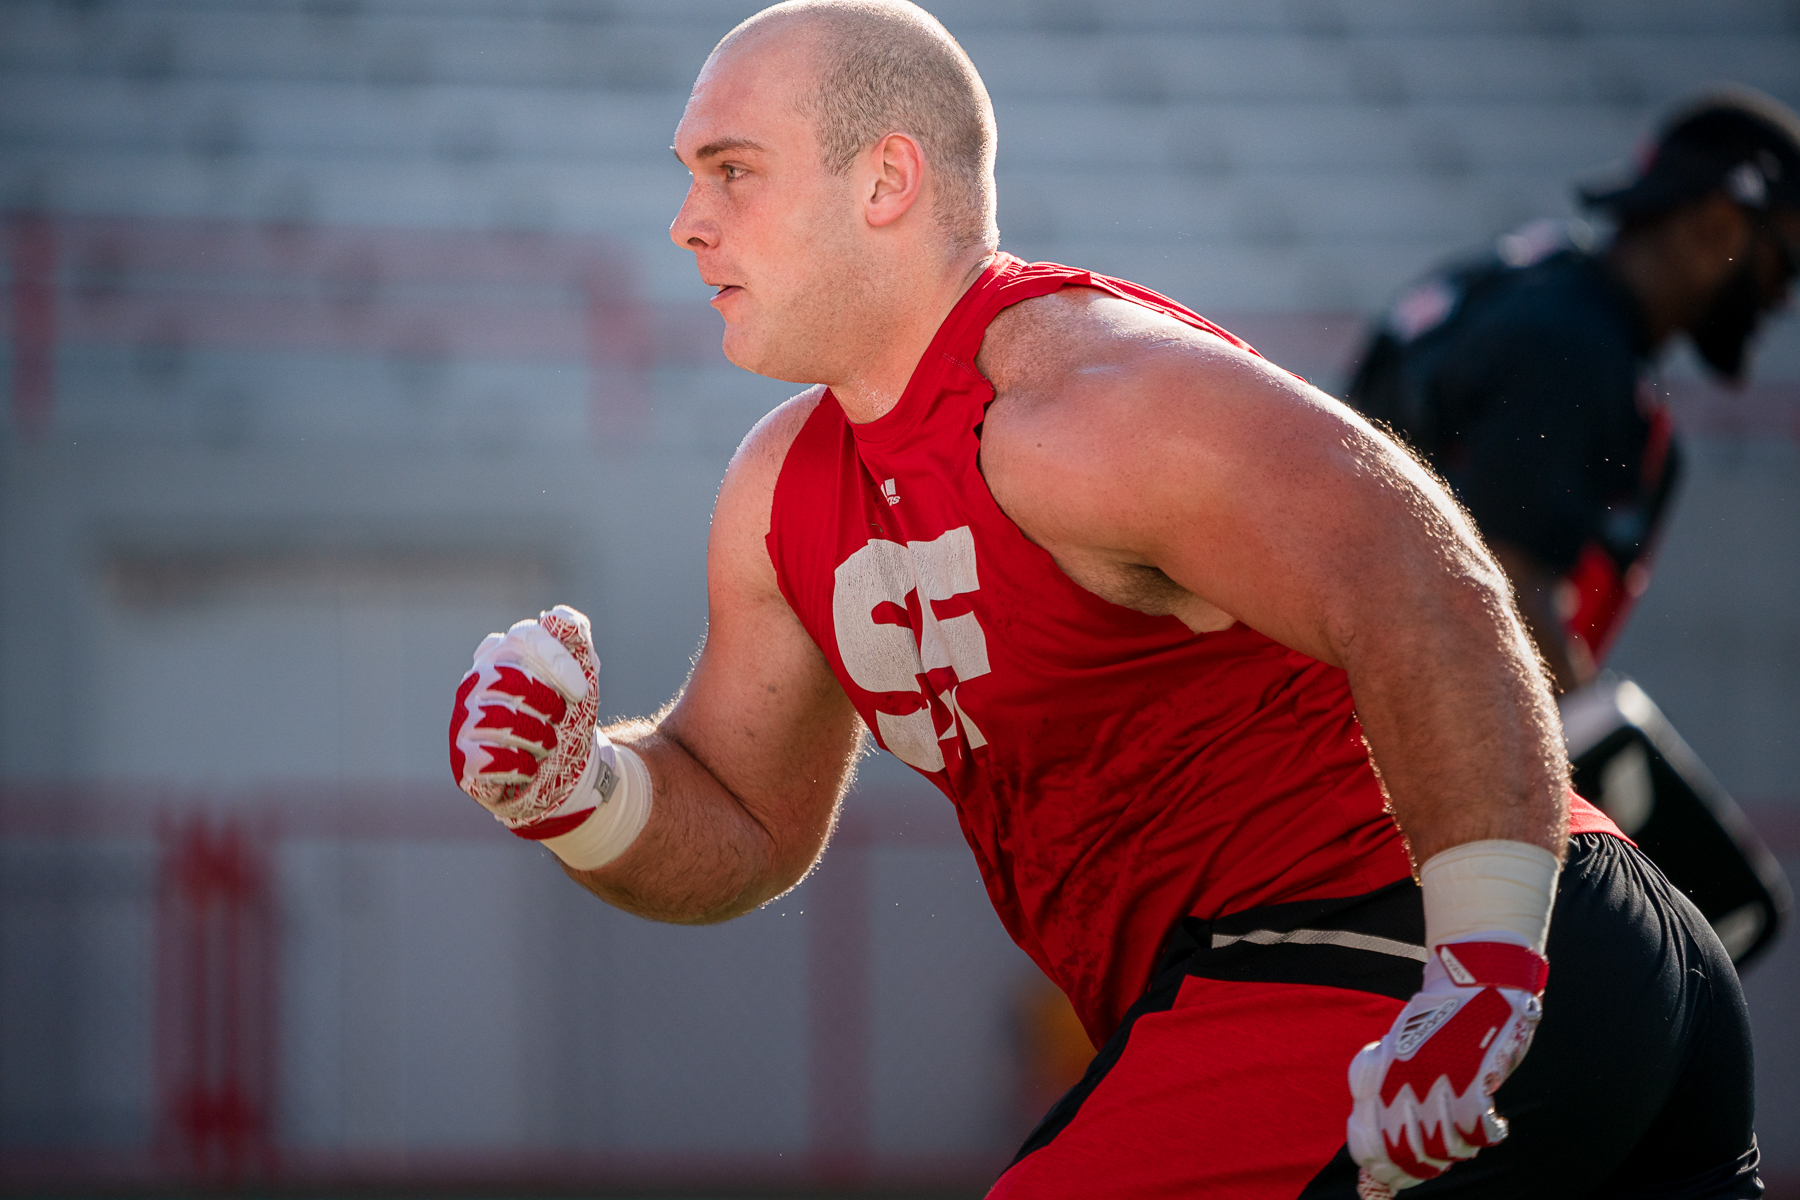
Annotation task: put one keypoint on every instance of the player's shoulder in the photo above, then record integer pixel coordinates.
(1080, 356)
(760, 455)
(1097, 399)
(738, 559)
(747, 494)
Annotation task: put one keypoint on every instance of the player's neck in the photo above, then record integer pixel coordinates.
(873, 381)
(1640, 265)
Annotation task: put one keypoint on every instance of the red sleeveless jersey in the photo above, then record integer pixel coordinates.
(1112, 771)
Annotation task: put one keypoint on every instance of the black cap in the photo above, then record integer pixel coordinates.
(1731, 139)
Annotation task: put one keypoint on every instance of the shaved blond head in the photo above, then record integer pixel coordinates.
(886, 66)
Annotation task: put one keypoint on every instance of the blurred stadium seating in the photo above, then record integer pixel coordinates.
(339, 332)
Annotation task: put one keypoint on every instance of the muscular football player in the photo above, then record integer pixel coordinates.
(1209, 669)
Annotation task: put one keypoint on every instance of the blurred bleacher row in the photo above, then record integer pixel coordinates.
(339, 332)
(1304, 155)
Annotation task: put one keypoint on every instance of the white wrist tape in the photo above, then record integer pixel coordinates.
(1490, 887)
(618, 784)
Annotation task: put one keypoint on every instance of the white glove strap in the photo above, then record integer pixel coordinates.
(618, 784)
(1490, 887)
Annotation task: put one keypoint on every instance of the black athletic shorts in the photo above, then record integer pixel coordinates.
(1228, 1079)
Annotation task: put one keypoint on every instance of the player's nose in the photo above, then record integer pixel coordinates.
(691, 230)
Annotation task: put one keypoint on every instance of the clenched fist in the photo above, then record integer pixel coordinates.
(522, 732)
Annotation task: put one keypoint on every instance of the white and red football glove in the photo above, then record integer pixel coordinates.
(522, 731)
(1423, 1094)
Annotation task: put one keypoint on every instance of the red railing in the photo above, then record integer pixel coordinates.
(216, 997)
(215, 988)
(33, 320)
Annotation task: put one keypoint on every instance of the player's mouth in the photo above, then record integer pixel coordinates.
(726, 290)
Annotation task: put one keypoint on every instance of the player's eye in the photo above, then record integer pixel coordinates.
(732, 171)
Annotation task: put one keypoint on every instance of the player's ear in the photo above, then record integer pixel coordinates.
(895, 177)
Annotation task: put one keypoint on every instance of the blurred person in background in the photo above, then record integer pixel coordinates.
(1147, 610)
(1526, 378)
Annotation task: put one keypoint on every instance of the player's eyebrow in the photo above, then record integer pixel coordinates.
(721, 146)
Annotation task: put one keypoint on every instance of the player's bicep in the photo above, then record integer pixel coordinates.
(762, 710)
(1279, 505)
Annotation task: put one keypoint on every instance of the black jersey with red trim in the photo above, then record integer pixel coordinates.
(1526, 384)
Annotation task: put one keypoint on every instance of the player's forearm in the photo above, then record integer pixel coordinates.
(701, 858)
(1459, 719)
